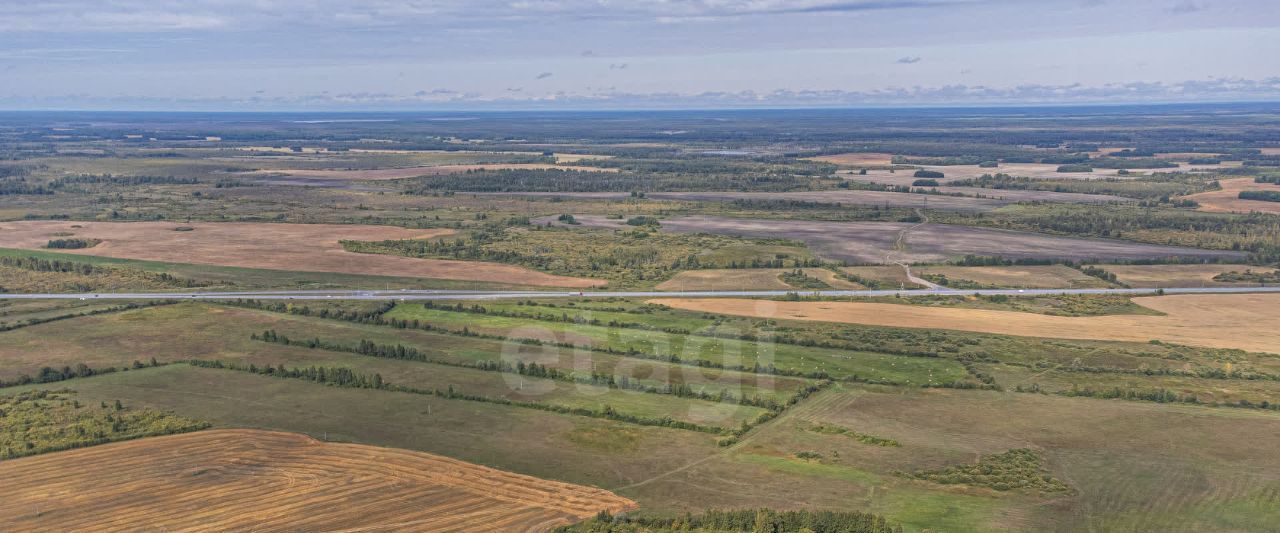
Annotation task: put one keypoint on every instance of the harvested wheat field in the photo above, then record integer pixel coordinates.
(1019, 277)
(1152, 276)
(856, 159)
(756, 279)
(1242, 321)
(296, 247)
(413, 172)
(239, 480)
(1228, 199)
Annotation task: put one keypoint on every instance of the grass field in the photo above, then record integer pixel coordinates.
(1216, 320)
(413, 172)
(215, 276)
(269, 481)
(116, 340)
(748, 279)
(1228, 199)
(1152, 276)
(1190, 480)
(576, 449)
(871, 242)
(1019, 277)
(306, 247)
(730, 352)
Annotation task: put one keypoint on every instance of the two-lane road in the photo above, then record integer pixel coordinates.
(420, 294)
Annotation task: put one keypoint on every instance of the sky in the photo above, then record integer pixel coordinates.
(637, 54)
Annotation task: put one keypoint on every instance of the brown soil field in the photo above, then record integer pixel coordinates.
(294, 247)
(1152, 276)
(1019, 277)
(1242, 321)
(413, 172)
(746, 279)
(856, 159)
(1270, 151)
(1227, 200)
(224, 480)
(871, 242)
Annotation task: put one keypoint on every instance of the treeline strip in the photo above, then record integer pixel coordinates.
(49, 374)
(343, 377)
(408, 353)
(1159, 395)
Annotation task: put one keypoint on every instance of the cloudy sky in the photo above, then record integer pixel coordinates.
(461, 54)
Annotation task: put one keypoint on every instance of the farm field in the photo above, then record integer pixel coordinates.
(1228, 199)
(517, 399)
(548, 445)
(223, 333)
(214, 277)
(309, 247)
(1214, 320)
(842, 197)
(414, 172)
(1114, 477)
(748, 279)
(1153, 276)
(726, 351)
(857, 159)
(871, 242)
(1018, 277)
(265, 480)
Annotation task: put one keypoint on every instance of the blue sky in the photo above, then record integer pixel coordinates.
(479, 54)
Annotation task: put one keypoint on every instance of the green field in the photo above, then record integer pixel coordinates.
(728, 352)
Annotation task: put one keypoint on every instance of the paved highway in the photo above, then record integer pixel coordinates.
(418, 294)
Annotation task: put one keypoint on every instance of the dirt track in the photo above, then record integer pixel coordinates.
(294, 247)
(271, 481)
(1242, 321)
